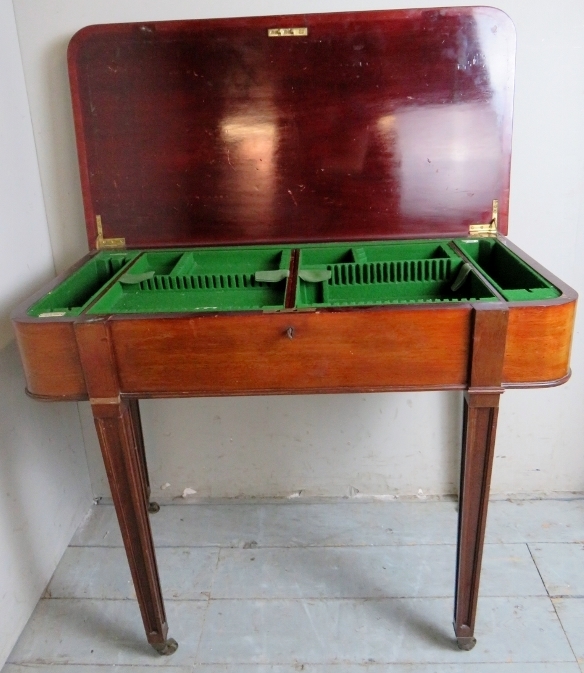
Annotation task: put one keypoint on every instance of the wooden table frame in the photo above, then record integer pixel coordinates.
(346, 99)
(117, 421)
(479, 348)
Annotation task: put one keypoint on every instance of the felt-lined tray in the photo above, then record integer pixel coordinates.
(230, 279)
(326, 275)
(509, 274)
(413, 272)
(75, 293)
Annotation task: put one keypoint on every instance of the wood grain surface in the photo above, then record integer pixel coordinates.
(481, 408)
(49, 355)
(334, 351)
(212, 132)
(539, 342)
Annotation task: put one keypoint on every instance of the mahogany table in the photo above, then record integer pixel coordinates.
(360, 130)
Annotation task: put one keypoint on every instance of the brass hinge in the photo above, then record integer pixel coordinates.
(287, 32)
(488, 229)
(102, 243)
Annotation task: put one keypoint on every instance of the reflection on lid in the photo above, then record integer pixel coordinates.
(250, 144)
(447, 155)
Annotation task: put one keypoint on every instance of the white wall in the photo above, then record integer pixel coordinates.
(44, 483)
(331, 445)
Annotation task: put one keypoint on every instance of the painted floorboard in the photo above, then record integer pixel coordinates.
(378, 631)
(535, 521)
(345, 587)
(89, 631)
(284, 525)
(374, 572)
(340, 524)
(561, 567)
(103, 572)
(571, 614)
(306, 668)
(326, 572)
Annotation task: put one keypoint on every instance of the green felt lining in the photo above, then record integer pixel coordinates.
(342, 253)
(395, 272)
(510, 275)
(256, 278)
(227, 279)
(77, 291)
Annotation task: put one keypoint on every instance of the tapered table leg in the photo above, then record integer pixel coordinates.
(481, 407)
(119, 441)
(117, 420)
(478, 442)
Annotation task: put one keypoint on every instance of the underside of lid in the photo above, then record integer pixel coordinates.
(356, 126)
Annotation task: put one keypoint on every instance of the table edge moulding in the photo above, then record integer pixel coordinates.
(295, 204)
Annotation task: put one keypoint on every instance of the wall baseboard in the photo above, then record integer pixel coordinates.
(356, 499)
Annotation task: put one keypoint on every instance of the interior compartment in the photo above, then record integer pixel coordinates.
(510, 275)
(77, 291)
(200, 280)
(373, 252)
(340, 274)
(389, 273)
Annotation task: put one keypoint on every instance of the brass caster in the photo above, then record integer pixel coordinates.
(169, 646)
(153, 507)
(466, 643)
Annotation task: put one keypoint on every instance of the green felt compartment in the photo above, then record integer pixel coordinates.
(340, 274)
(392, 273)
(338, 253)
(510, 275)
(76, 292)
(199, 280)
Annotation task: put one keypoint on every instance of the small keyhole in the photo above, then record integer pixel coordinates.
(290, 332)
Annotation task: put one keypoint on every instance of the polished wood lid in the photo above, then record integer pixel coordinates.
(366, 125)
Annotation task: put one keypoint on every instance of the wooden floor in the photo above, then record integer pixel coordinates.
(345, 587)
